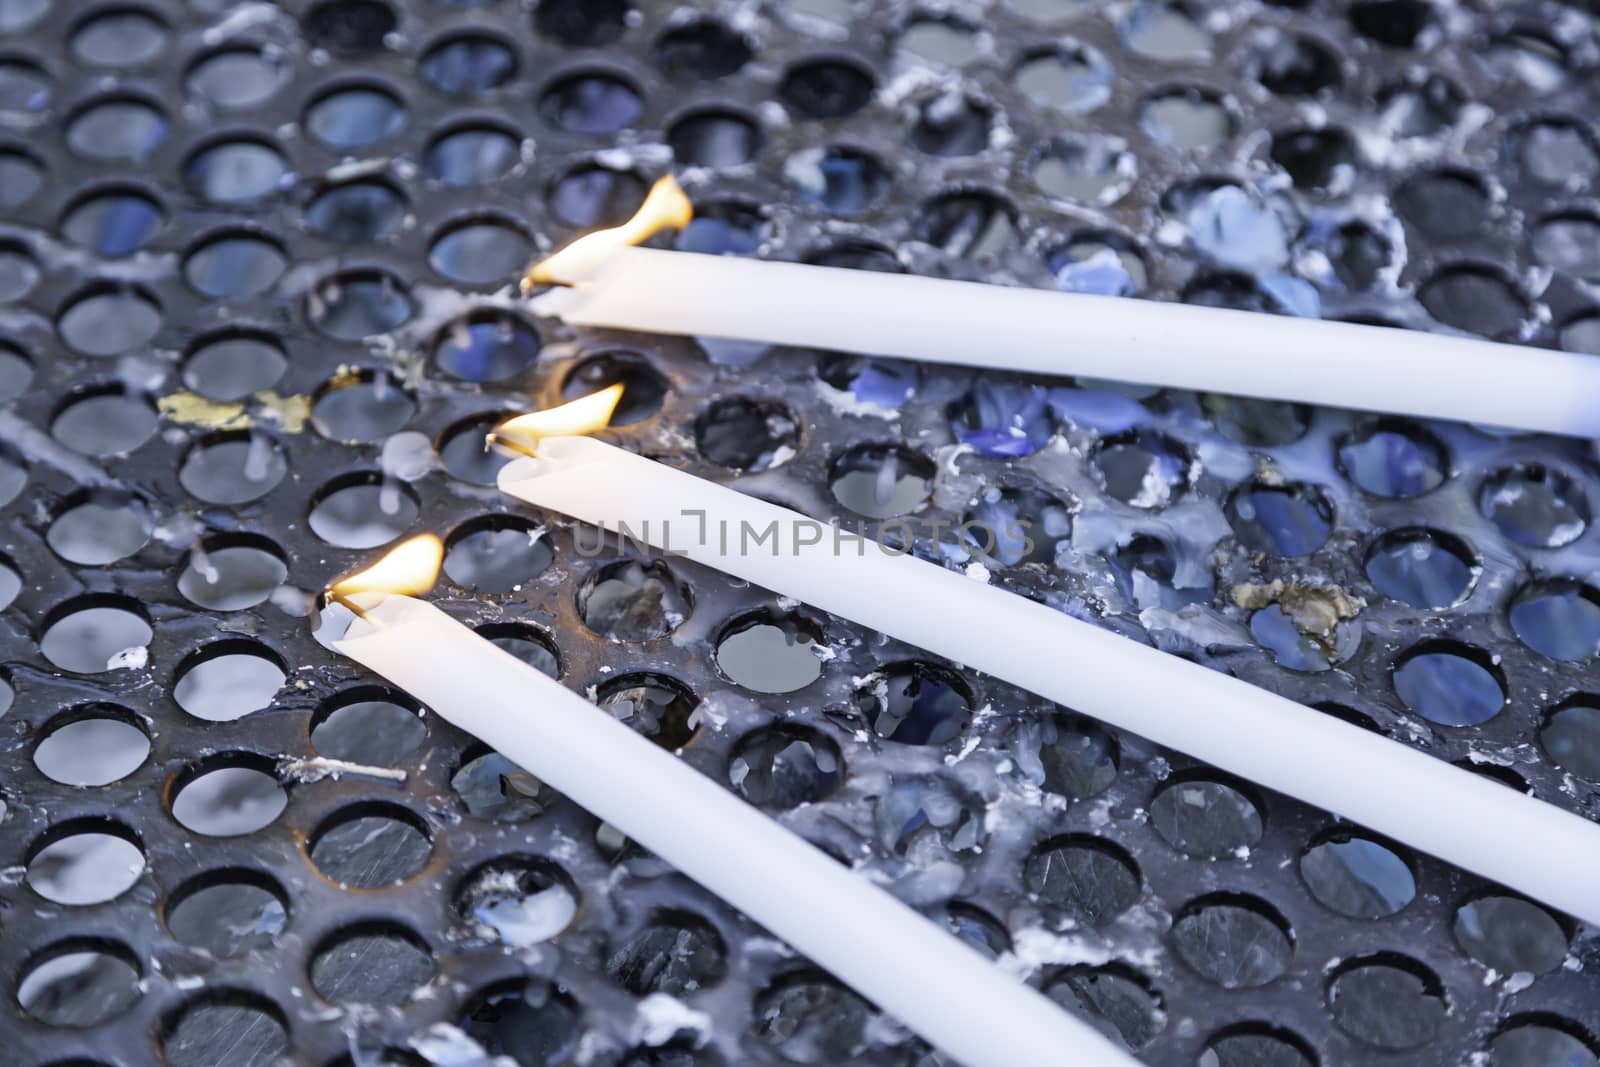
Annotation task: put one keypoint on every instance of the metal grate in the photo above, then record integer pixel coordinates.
(255, 259)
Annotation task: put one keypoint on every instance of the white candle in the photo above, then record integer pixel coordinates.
(926, 978)
(936, 320)
(1462, 818)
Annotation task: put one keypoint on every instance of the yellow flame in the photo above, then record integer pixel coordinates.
(410, 569)
(581, 416)
(666, 208)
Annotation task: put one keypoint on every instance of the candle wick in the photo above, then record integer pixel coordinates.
(349, 605)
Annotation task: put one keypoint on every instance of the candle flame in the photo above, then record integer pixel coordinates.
(666, 208)
(584, 415)
(409, 569)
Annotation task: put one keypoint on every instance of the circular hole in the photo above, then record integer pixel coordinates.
(1582, 335)
(1142, 469)
(1571, 737)
(114, 37)
(483, 251)
(1187, 117)
(1359, 255)
(1510, 935)
(1294, 65)
(1450, 684)
(881, 481)
(1527, 58)
(228, 796)
(785, 766)
(1257, 1045)
(85, 861)
(116, 128)
(1356, 876)
(1475, 299)
(518, 901)
(232, 365)
(593, 195)
(19, 272)
(702, 49)
(235, 171)
(1085, 879)
(464, 449)
(1234, 941)
(1570, 243)
(915, 703)
(363, 510)
(1393, 459)
(726, 228)
(856, 255)
(1422, 568)
(769, 651)
(228, 680)
(950, 123)
(1255, 422)
(1558, 618)
(1207, 818)
(925, 820)
(530, 1021)
(1554, 151)
(940, 41)
(493, 788)
(237, 77)
(1389, 1002)
(497, 554)
(468, 65)
(676, 953)
(96, 633)
(90, 746)
(1420, 105)
(748, 434)
(714, 137)
(361, 407)
(10, 583)
(232, 573)
(1227, 290)
(79, 983)
(582, 23)
(1117, 1001)
(113, 222)
(978, 929)
(1319, 161)
(20, 177)
(1543, 1041)
(373, 963)
(1393, 23)
(368, 724)
(234, 264)
(356, 212)
(1103, 263)
(228, 913)
(1072, 78)
(348, 27)
(1017, 526)
(99, 526)
(1535, 506)
(527, 643)
(880, 385)
(370, 845)
(839, 179)
(970, 224)
(592, 102)
(356, 305)
(807, 1017)
(233, 468)
(108, 320)
(13, 474)
(476, 154)
(827, 87)
(644, 388)
(1281, 520)
(1446, 205)
(226, 1026)
(16, 372)
(1078, 758)
(355, 116)
(1167, 32)
(1087, 168)
(104, 421)
(631, 600)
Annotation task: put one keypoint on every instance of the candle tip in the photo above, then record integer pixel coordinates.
(582, 416)
(410, 568)
(667, 207)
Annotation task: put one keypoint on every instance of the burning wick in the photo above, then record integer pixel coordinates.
(408, 569)
(666, 208)
(582, 416)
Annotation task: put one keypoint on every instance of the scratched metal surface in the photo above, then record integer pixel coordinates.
(1425, 165)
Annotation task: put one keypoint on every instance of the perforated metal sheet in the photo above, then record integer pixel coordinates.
(1426, 165)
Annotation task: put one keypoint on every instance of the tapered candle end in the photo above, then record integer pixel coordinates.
(582, 416)
(409, 569)
(667, 207)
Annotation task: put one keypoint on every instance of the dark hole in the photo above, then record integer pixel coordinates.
(228, 913)
(714, 137)
(839, 179)
(1389, 1002)
(1086, 879)
(703, 49)
(676, 953)
(465, 452)
(473, 155)
(1476, 299)
(114, 129)
(968, 224)
(536, 1025)
(1544, 1041)
(644, 388)
(1257, 1045)
(497, 554)
(1420, 105)
(1114, 1000)
(1207, 818)
(1358, 876)
(228, 680)
(1447, 205)
(370, 845)
(1281, 520)
(1256, 422)
(371, 963)
(1389, 458)
(355, 116)
(654, 706)
(104, 421)
(1510, 935)
(1535, 505)
(226, 1026)
(592, 196)
(634, 601)
(1017, 526)
(915, 704)
(1555, 151)
(827, 88)
(468, 65)
(485, 251)
(234, 266)
(235, 172)
(1571, 737)
(349, 27)
(1237, 942)
(747, 434)
(1318, 161)
(91, 746)
(1296, 65)
(1143, 469)
(1395, 23)
(353, 306)
(952, 123)
(785, 766)
(107, 320)
(1558, 618)
(234, 77)
(356, 211)
(527, 643)
(809, 1018)
(593, 102)
(369, 725)
(1359, 255)
(492, 787)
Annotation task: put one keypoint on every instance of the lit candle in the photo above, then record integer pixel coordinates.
(604, 282)
(1463, 818)
(926, 978)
